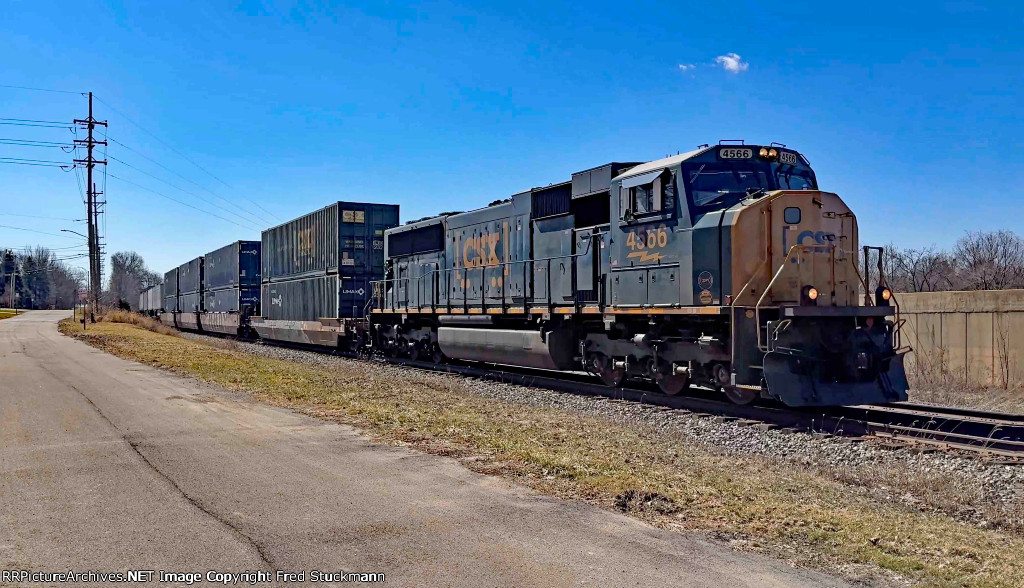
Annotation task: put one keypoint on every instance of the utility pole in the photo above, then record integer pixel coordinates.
(92, 204)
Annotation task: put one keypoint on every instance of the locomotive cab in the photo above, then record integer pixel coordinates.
(742, 233)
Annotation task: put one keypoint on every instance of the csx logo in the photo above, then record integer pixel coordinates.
(823, 238)
(482, 250)
(820, 237)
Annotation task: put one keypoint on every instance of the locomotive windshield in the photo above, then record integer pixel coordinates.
(715, 183)
(722, 184)
(789, 177)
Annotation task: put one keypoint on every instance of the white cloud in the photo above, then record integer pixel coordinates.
(732, 62)
(686, 66)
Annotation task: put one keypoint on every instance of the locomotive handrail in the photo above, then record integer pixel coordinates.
(785, 264)
(765, 263)
(896, 332)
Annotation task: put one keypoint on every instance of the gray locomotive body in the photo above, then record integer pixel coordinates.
(725, 267)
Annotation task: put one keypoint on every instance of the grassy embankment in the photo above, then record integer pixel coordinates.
(777, 507)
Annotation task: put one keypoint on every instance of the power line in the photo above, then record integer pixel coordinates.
(187, 158)
(32, 120)
(35, 231)
(13, 247)
(74, 220)
(39, 162)
(38, 89)
(112, 158)
(161, 194)
(235, 204)
(41, 125)
(34, 143)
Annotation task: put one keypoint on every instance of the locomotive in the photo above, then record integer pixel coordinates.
(725, 267)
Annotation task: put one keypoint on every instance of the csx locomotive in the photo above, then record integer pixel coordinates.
(724, 267)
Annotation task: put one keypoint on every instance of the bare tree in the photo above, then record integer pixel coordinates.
(128, 277)
(990, 260)
(66, 283)
(921, 270)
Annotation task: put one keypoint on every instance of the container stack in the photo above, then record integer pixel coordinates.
(320, 265)
(190, 286)
(151, 300)
(170, 291)
(232, 278)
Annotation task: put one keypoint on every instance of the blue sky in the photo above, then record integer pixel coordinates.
(910, 111)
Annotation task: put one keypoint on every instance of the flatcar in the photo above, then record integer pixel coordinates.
(726, 267)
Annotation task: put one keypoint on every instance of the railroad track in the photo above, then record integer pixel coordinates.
(998, 436)
(995, 435)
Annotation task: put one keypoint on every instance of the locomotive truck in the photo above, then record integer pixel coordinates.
(725, 267)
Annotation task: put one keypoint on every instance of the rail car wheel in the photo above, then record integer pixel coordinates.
(739, 395)
(674, 384)
(603, 366)
(437, 356)
(735, 394)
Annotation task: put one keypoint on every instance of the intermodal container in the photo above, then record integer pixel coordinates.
(235, 265)
(151, 299)
(345, 238)
(315, 298)
(190, 276)
(355, 292)
(190, 302)
(302, 299)
(232, 299)
(171, 291)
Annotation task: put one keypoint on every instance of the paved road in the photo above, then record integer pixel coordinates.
(109, 465)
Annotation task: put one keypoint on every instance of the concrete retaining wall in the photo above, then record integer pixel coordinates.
(974, 337)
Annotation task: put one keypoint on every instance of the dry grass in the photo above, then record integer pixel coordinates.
(932, 380)
(8, 313)
(138, 320)
(958, 394)
(808, 516)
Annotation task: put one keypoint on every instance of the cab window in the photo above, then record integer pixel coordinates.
(788, 178)
(656, 196)
(642, 199)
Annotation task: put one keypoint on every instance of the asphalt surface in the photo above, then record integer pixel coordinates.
(109, 465)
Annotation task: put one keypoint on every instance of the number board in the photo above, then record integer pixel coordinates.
(736, 153)
(788, 158)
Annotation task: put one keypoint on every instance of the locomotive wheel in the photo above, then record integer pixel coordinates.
(424, 352)
(674, 384)
(738, 395)
(723, 383)
(602, 366)
(437, 356)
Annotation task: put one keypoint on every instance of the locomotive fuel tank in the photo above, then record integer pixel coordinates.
(551, 349)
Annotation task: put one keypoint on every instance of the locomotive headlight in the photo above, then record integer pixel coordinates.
(809, 296)
(763, 153)
(769, 153)
(883, 296)
(773, 154)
